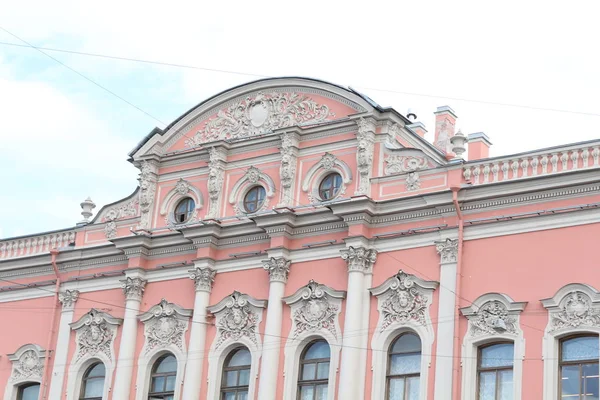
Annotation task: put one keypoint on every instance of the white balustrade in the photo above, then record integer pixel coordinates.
(25, 246)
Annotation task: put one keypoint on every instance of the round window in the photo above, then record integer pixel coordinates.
(330, 186)
(184, 210)
(254, 199)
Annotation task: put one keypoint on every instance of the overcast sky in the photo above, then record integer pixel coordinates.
(62, 138)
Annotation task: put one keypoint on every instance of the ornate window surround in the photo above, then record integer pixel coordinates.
(327, 164)
(159, 342)
(224, 343)
(181, 190)
(34, 375)
(389, 327)
(301, 336)
(252, 177)
(480, 332)
(565, 320)
(80, 363)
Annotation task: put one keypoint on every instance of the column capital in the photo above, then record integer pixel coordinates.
(68, 299)
(359, 259)
(203, 278)
(133, 288)
(448, 250)
(278, 268)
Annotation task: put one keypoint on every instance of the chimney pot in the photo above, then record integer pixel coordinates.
(479, 146)
(445, 122)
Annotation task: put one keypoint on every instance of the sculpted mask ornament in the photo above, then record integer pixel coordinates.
(493, 318)
(316, 312)
(164, 326)
(253, 175)
(448, 250)
(576, 311)
(238, 320)
(182, 187)
(359, 258)
(95, 336)
(404, 303)
(203, 278)
(259, 114)
(28, 366)
(413, 181)
(328, 161)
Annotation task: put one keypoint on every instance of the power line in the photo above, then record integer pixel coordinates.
(225, 71)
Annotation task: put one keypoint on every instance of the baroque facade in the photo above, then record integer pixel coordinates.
(291, 239)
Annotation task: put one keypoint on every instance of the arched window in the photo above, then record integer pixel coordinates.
(330, 186)
(579, 368)
(236, 375)
(162, 384)
(314, 371)
(404, 367)
(495, 371)
(92, 385)
(29, 391)
(254, 199)
(184, 210)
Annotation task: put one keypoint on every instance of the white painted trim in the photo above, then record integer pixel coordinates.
(146, 363)
(173, 197)
(77, 370)
(243, 185)
(12, 386)
(317, 172)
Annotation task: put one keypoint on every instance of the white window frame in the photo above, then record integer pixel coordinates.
(180, 191)
(328, 164)
(553, 336)
(253, 177)
(473, 342)
(14, 383)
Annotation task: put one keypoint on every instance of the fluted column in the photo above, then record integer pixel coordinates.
(278, 269)
(447, 250)
(134, 289)
(203, 278)
(359, 259)
(67, 299)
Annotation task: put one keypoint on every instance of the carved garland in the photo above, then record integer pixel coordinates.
(28, 363)
(95, 334)
(576, 311)
(493, 318)
(165, 324)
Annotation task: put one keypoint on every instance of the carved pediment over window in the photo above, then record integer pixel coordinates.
(573, 306)
(493, 314)
(237, 315)
(181, 190)
(315, 308)
(95, 334)
(258, 114)
(404, 300)
(165, 324)
(27, 364)
(251, 178)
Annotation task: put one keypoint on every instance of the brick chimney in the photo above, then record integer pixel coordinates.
(479, 146)
(418, 128)
(445, 123)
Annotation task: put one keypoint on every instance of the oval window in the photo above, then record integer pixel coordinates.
(184, 210)
(254, 199)
(330, 186)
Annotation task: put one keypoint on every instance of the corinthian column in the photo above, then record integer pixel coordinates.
(447, 250)
(67, 299)
(134, 289)
(203, 278)
(278, 269)
(360, 260)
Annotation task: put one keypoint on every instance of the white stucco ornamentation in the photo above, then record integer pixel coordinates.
(413, 181)
(251, 178)
(110, 230)
(27, 364)
(448, 250)
(359, 258)
(396, 163)
(287, 170)
(259, 114)
(121, 211)
(364, 154)
(216, 175)
(237, 316)
(133, 288)
(165, 324)
(203, 278)
(403, 302)
(181, 190)
(278, 268)
(95, 334)
(576, 310)
(68, 298)
(327, 164)
(147, 179)
(492, 317)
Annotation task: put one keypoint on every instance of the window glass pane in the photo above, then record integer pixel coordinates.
(308, 372)
(231, 378)
(242, 396)
(167, 364)
(407, 343)
(94, 387)
(323, 371)
(570, 380)
(170, 383)
(580, 348)
(412, 391)
(240, 358)
(396, 389)
(498, 355)
(317, 350)
(244, 377)
(487, 385)
(322, 392)
(590, 381)
(307, 393)
(403, 364)
(506, 385)
(97, 370)
(158, 383)
(229, 396)
(31, 392)
(251, 196)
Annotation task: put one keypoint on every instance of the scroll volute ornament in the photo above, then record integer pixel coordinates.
(95, 332)
(27, 364)
(278, 268)
(133, 288)
(203, 278)
(574, 306)
(359, 259)
(165, 324)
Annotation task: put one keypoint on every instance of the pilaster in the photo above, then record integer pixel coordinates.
(287, 171)
(364, 155)
(148, 178)
(216, 177)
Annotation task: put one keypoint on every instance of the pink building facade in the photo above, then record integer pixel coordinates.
(291, 239)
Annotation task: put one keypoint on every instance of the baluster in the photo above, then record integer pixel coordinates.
(2, 250)
(534, 165)
(467, 174)
(515, 169)
(72, 237)
(27, 245)
(495, 170)
(34, 244)
(574, 159)
(21, 247)
(476, 174)
(486, 174)
(505, 171)
(524, 165)
(585, 154)
(595, 154)
(564, 160)
(544, 164)
(554, 161)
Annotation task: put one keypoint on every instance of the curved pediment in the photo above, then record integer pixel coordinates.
(255, 109)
